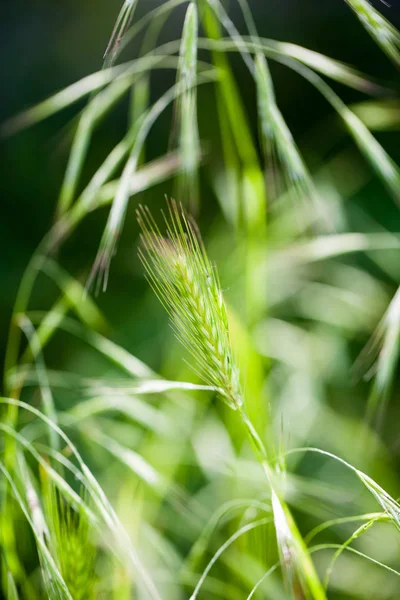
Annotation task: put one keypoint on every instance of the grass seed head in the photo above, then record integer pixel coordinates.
(187, 285)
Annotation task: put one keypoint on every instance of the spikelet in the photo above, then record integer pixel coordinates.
(187, 285)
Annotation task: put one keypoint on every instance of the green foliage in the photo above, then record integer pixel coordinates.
(121, 476)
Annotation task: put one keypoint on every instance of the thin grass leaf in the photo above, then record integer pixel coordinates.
(354, 551)
(326, 247)
(362, 529)
(330, 67)
(343, 520)
(129, 406)
(278, 141)
(92, 115)
(379, 159)
(74, 292)
(233, 538)
(186, 109)
(47, 396)
(110, 350)
(224, 513)
(245, 175)
(383, 32)
(152, 173)
(136, 463)
(385, 344)
(140, 96)
(84, 87)
(52, 474)
(159, 13)
(61, 100)
(96, 109)
(261, 581)
(390, 506)
(119, 207)
(120, 28)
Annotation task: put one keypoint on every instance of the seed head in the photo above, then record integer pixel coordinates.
(187, 285)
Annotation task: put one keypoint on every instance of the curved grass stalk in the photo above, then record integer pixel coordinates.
(45, 389)
(362, 529)
(325, 65)
(384, 346)
(390, 506)
(320, 547)
(233, 538)
(344, 520)
(220, 516)
(261, 581)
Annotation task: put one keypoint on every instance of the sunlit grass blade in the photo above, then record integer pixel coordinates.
(95, 110)
(243, 530)
(224, 513)
(385, 342)
(152, 173)
(343, 521)
(74, 292)
(160, 13)
(326, 247)
(383, 32)
(235, 128)
(390, 506)
(61, 100)
(119, 207)
(46, 393)
(359, 531)
(120, 28)
(376, 155)
(278, 141)
(12, 592)
(130, 406)
(338, 547)
(325, 65)
(186, 110)
(116, 354)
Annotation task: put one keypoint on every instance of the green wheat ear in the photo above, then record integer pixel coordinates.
(187, 285)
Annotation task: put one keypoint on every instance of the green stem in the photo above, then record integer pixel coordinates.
(287, 532)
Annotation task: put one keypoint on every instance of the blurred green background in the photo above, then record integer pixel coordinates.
(46, 46)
